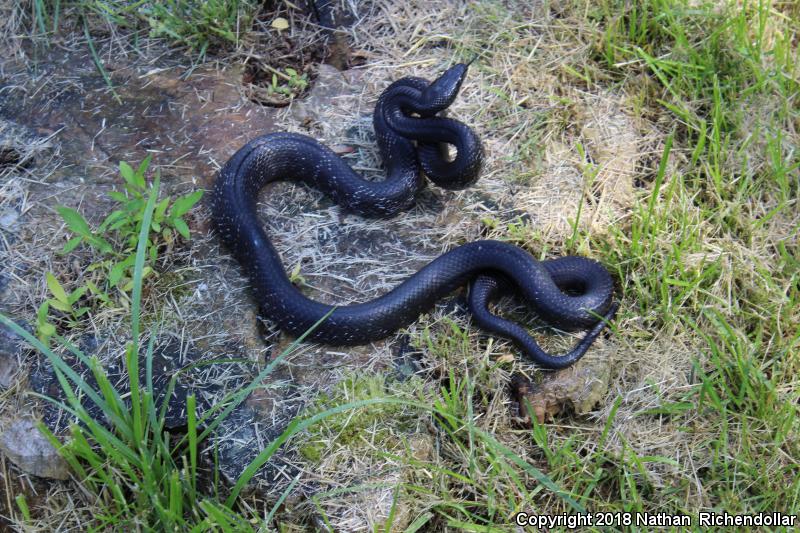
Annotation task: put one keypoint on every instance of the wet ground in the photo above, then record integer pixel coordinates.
(189, 124)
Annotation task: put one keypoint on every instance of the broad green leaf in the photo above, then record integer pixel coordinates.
(119, 224)
(61, 306)
(182, 228)
(161, 208)
(71, 245)
(182, 205)
(115, 275)
(56, 289)
(42, 312)
(47, 329)
(134, 205)
(99, 243)
(74, 221)
(118, 196)
(110, 219)
(143, 167)
(126, 172)
(75, 295)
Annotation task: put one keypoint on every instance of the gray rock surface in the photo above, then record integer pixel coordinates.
(10, 354)
(31, 452)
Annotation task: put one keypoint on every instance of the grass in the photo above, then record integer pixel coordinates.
(197, 26)
(697, 257)
(702, 413)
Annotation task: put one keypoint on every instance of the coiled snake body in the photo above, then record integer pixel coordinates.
(570, 292)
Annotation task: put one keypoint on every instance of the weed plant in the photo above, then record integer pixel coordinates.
(109, 279)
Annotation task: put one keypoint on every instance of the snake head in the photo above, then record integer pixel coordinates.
(441, 93)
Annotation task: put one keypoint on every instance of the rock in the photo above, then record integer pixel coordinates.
(243, 435)
(168, 359)
(31, 452)
(329, 85)
(581, 387)
(10, 355)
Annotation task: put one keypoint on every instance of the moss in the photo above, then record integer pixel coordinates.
(355, 429)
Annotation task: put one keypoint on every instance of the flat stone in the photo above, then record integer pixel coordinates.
(10, 355)
(31, 452)
(243, 435)
(168, 359)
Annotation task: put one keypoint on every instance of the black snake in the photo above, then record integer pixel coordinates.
(571, 292)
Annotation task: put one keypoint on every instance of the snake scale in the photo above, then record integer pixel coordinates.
(572, 293)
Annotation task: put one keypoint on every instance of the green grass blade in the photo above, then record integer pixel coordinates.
(229, 404)
(97, 62)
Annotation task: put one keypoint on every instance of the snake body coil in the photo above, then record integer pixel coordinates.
(570, 292)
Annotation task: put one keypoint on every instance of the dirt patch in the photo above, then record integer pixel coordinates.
(290, 42)
(187, 124)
